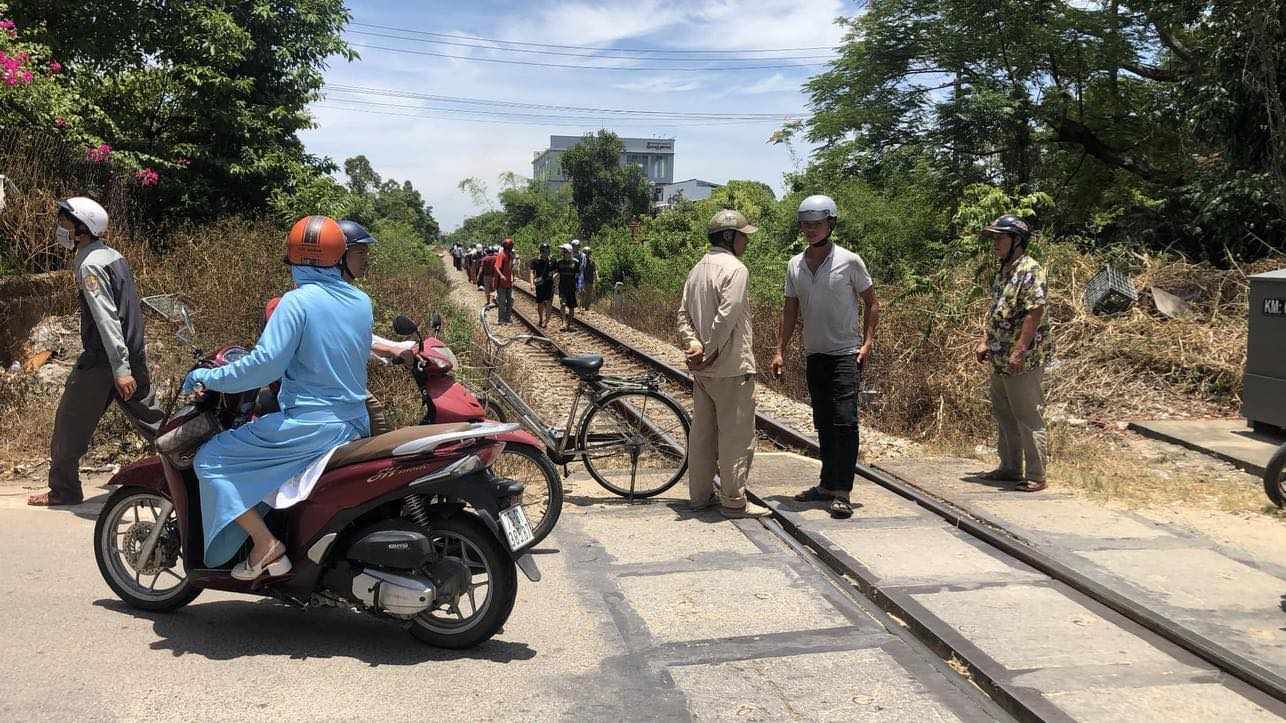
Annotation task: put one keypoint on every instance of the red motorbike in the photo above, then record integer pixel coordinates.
(412, 525)
(524, 458)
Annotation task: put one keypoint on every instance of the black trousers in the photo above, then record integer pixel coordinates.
(833, 381)
(90, 389)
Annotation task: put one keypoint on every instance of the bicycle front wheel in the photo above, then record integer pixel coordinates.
(635, 442)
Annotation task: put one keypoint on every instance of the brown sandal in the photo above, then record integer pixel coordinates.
(1030, 485)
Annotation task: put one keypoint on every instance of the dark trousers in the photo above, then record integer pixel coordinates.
(85, 398)
(832, 389)
(505, 300)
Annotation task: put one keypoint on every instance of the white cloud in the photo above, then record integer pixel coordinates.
(775, 83)
(660, 85)
(435, 154)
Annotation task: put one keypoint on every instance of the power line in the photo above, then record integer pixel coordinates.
(562, 116)
(590, 47)
(532, 63)
(554, 123)
(603, 54)
(394, 93)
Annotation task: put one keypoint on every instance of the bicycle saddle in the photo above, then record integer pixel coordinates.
(586, 366)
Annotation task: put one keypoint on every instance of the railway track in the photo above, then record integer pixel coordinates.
(627, 358)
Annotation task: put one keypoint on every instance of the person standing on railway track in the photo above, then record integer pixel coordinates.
(504, 280)
(568, 272)
(823, 285)
(542, 278)
(1016, 341)
(113, 365)
(714, 322)
(487, 274)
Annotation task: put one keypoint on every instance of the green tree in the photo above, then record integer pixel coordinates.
(210, 93)
(1149, 121)
(604, 191)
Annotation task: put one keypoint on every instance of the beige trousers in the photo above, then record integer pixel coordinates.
(1015, 403)
(722, 439)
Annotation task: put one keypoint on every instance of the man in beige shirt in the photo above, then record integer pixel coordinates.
(714, 321)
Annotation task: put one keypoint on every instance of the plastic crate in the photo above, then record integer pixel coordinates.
(1110, 292)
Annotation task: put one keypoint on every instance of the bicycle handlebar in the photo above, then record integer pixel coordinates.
(502, 343)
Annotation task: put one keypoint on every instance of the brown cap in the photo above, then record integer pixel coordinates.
(729, 220)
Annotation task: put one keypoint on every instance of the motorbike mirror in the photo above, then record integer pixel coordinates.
(402, 326)
(186, 333)
(436, 322)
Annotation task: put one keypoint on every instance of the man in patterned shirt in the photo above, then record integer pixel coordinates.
(1016, 341)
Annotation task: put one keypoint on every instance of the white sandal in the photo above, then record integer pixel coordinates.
(278, 567)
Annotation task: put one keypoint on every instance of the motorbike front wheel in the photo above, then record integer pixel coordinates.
(158, 583)
(476, 580)
(1275, 477)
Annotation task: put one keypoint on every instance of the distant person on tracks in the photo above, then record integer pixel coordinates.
(714, 322)
(568, 272)
(486, 274)
(823, 285)
(504, 280)
(589, 278)
(113, 365)
(542, 277)
(1016, 340)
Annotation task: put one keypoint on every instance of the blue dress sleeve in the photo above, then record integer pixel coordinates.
(267, 362)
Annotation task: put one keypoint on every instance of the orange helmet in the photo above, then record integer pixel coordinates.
(315, 241)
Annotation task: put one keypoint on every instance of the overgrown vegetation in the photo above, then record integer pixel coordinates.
(225, 269)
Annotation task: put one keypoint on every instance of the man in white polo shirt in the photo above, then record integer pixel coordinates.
(822, 287)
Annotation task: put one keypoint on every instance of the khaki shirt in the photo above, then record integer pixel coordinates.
(716, 312)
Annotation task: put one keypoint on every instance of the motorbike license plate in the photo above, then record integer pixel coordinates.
(514, 522)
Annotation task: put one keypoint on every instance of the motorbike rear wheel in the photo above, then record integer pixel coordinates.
(122, 529)
(464, 539)
(1275, 477)
(542, 497)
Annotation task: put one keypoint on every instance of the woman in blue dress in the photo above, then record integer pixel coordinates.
(316, 343)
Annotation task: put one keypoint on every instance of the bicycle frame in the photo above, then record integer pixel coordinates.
(562, 447)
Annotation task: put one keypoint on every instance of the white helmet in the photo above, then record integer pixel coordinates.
(816, 208)
(566, 247)
(88, 212)
(576, 243)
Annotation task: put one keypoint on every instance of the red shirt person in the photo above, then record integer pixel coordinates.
(503, 276)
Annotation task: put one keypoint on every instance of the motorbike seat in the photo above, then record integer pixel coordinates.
(586, 366)
(382, 445)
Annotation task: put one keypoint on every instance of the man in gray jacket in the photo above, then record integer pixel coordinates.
(112, 366)
(714, 321)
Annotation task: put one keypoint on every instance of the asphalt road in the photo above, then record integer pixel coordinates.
(645, 612)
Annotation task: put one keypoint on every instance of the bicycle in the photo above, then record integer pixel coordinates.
(632, 438)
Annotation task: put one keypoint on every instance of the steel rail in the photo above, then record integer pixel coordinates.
(995, 535)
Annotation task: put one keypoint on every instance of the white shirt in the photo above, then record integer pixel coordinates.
(828, 300)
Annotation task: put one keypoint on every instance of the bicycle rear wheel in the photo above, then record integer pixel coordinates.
(634, 442)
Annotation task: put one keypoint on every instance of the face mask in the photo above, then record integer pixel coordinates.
(63, 239)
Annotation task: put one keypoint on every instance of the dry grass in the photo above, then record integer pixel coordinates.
(1106, 466)
(226, 272)
(1135, 365)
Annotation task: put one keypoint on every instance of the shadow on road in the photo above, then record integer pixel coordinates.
(232, 629)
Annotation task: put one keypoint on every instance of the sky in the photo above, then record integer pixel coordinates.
(435, 149)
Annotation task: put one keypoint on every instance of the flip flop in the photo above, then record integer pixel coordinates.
(812, 494)
(1030, 485)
